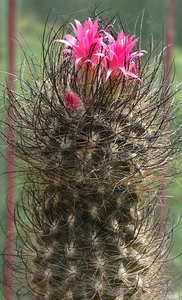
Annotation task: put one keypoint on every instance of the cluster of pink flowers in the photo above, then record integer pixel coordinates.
(93, 46)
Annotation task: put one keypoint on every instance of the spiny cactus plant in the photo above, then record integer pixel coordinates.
(94, 141)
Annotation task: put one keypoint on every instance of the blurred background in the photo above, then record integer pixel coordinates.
(30, 19)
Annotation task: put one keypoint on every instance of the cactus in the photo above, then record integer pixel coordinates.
(94, 141)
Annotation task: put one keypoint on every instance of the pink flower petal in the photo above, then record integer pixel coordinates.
(109, 71)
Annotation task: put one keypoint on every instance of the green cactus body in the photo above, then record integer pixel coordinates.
(91, 226)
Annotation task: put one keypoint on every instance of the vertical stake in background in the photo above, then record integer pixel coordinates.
(9, 225)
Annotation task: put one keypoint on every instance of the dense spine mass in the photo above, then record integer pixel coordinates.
(91, 227)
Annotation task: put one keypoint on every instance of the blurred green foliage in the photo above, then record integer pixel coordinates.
(31, 16)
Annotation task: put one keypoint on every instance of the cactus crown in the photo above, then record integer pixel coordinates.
(95, 138)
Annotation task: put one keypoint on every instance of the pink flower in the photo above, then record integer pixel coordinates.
(118, 56)
(73, 102)
(99, 48)
(85, 44)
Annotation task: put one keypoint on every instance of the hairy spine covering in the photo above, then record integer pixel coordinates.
(91, 225)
